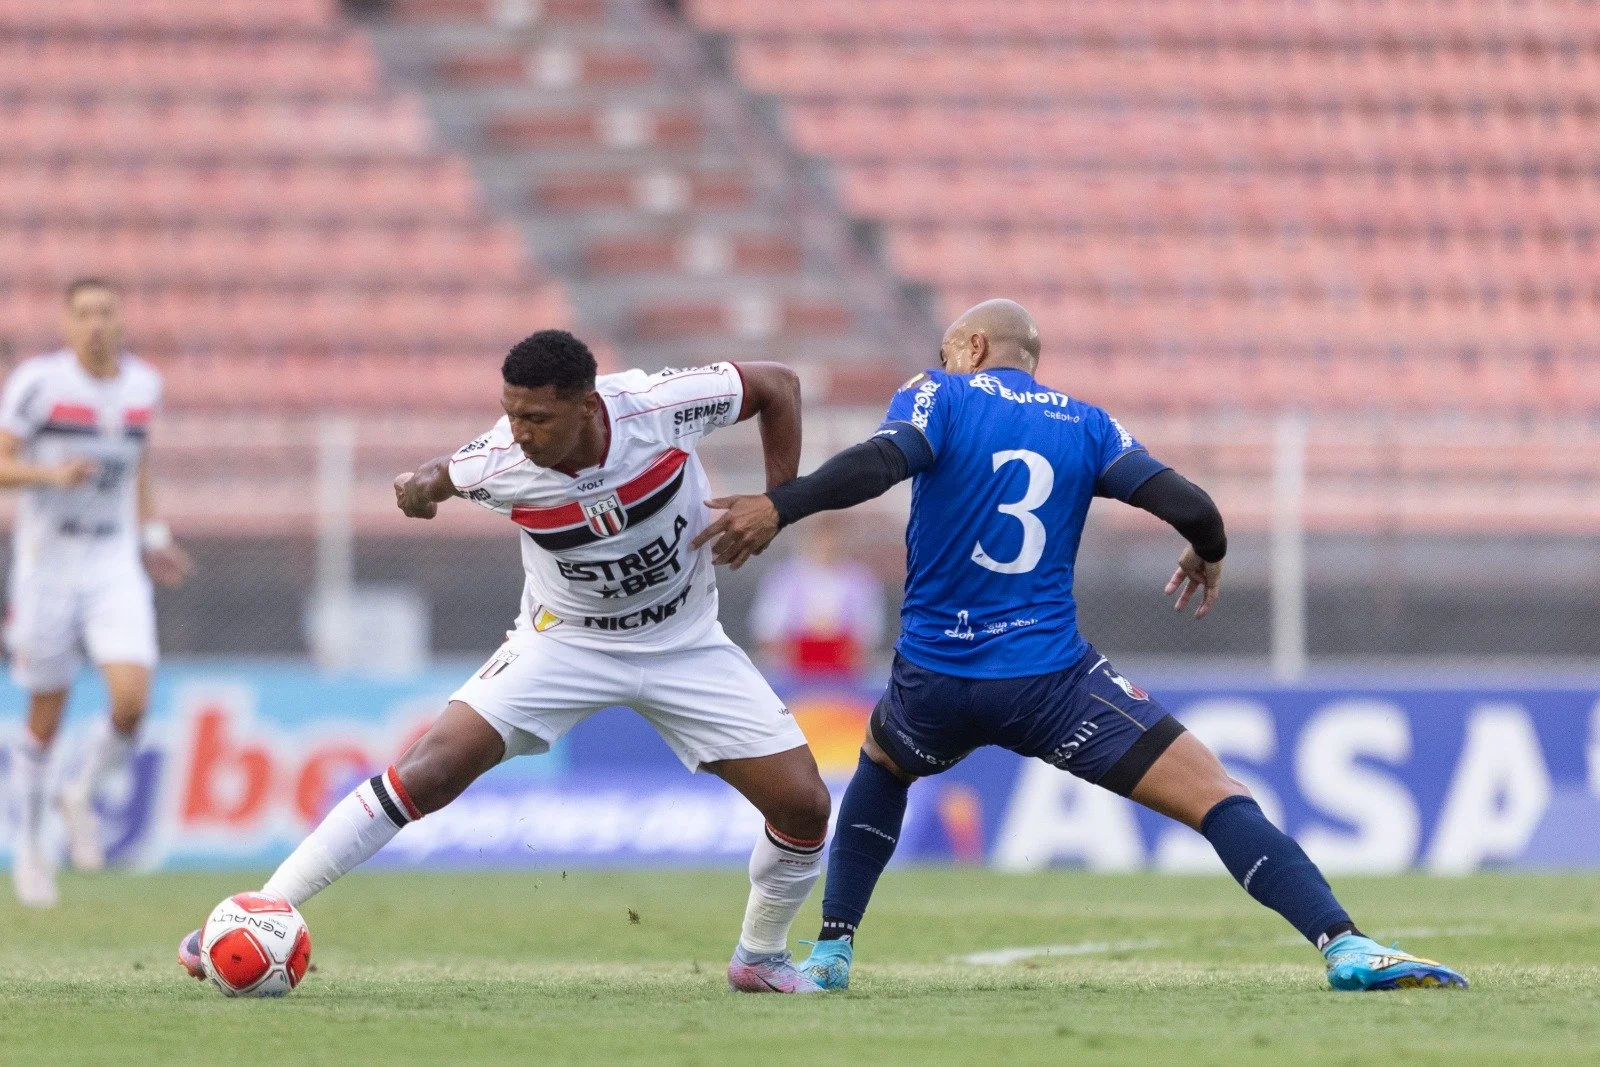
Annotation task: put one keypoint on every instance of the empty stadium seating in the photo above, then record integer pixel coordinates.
(288, 231)
(1386, 205)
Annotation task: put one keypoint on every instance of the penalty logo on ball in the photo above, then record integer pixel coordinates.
(255, 945)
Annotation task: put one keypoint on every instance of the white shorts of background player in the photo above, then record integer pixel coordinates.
(57, 614)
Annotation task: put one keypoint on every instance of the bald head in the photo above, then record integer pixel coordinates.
(996, 333)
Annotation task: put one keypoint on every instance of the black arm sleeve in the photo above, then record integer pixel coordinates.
(857, 474)
(1175, 500)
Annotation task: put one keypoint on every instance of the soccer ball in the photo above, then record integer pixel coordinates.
(255, 945)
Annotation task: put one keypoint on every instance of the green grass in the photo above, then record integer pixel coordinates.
(545, 968)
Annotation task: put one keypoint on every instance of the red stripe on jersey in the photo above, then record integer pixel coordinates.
(655, 476)
(548, 518)
(658, 474)
(75, 414)
(137, 416)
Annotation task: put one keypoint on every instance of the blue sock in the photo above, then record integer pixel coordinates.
(1274, 870)
(864, 837)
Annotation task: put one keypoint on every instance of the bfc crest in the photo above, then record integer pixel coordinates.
(606, 516)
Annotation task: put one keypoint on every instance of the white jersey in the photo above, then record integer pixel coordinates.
(60, 413)
(606, 551)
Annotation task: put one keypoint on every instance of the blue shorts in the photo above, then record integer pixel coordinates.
(1087, 719)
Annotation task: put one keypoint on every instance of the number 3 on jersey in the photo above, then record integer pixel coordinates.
(1041, 480)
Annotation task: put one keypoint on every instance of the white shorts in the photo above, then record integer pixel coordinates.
(707, 701)
(51, 623)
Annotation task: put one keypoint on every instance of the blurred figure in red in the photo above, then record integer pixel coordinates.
(817, 613)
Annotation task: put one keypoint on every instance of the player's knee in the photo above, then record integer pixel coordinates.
(441, 763)
(430, 777)
(804, 812)
(128, 712)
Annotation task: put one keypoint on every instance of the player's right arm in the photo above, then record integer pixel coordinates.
(16, 472)
(477, 471)
(23, 410)
(420, 492)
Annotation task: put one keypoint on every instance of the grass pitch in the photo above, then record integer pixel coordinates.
(552, 969)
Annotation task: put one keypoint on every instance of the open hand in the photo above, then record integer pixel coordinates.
(1192, 576)
(169, 566)
(745, 528)
(72, 473)
(411, 496)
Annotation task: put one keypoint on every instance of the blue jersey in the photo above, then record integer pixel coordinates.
(1005, 472)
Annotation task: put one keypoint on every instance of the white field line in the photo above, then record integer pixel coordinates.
(1000, 957)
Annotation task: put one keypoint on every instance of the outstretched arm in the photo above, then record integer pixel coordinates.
(859, 473)
(772, 396)
(420, 492)
(1187, 508)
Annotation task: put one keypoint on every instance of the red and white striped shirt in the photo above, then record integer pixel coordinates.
(606, 550)
(60, 412)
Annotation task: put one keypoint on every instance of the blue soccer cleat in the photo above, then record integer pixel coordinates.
(1357, 963)
(829, 963)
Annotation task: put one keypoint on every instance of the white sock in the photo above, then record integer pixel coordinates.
(110, 752)
(782, 872)
(29, 759)
(357, 827)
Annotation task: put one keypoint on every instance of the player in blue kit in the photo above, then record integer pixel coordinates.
(990, 654)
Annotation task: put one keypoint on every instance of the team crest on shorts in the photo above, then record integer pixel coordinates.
(1126, 686)
(606, 516)
(501, 660)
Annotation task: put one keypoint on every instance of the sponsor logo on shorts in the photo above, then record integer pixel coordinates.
(634, 620)
(1063, 753)
(482, 496)
(498, 663)
(606, 516)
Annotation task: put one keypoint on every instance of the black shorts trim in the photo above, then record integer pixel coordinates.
(1126, 773)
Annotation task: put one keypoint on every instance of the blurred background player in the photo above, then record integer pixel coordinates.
(87, 541)
(819, 613)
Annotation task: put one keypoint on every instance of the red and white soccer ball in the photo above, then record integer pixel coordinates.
(255, 945)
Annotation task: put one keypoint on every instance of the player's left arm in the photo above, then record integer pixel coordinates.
(1135, 477)
(903, 446)
(164, 558)
(854, 476)
(772, 397)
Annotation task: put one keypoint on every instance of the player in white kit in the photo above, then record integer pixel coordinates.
(617, 609)
(73, 426)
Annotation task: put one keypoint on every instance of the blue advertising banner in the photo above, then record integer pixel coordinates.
(240, 760)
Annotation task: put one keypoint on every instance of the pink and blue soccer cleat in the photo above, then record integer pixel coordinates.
(189, 956)
(1357, 963)
(750, 972)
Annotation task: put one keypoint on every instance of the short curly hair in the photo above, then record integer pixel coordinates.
(550, 357)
